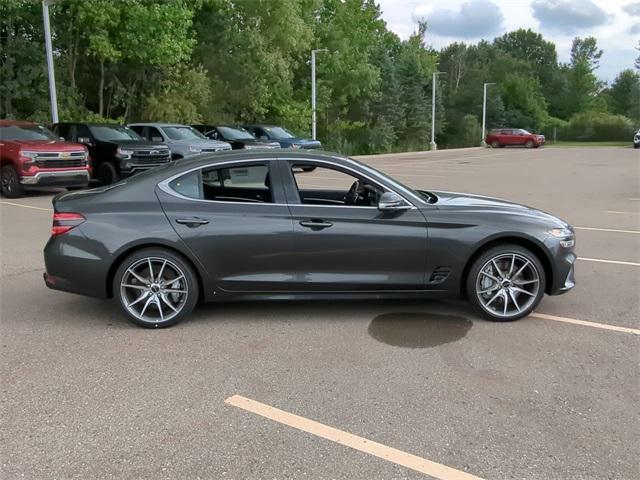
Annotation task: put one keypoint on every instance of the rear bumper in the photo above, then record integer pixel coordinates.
(69, 178)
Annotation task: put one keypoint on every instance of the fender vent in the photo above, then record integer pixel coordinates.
(439, 274)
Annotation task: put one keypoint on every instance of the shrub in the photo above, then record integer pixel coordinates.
(595, 126)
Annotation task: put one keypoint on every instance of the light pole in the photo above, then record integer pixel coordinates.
(313, 90)
(484, 113)
(50, 73)
(432, 145)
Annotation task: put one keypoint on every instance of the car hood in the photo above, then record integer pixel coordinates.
(136, 144)
(301, 141)
(470, 202)
(254, 142)
(47, 145)
(201, 143)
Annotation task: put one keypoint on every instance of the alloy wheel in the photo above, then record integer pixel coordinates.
(154, 290)
(507, 285)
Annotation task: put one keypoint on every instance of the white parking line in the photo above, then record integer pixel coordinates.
(617, 262)
(585, 323)
(615, 212)
(26, 206)
(614, 230)
(422, 465)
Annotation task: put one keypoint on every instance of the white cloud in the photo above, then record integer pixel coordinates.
(568, 16)
(471, 19)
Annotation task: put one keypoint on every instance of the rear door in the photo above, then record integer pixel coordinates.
(234, 218)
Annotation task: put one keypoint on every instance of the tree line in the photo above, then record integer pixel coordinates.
(222, 61)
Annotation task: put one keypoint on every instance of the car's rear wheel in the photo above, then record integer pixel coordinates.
(506, 283)
(107, 173)
(528, 144)
(156, 288)
(11, 187)
(495, 144)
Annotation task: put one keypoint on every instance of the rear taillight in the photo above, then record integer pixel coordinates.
(64, 221)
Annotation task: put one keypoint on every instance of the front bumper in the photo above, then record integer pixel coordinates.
(69, 178)
(564, 275)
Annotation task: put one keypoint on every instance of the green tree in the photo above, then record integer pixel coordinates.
(624, 94)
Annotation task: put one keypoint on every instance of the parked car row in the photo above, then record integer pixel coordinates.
(75, 153)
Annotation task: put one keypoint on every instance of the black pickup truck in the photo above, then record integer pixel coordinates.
(115, 151)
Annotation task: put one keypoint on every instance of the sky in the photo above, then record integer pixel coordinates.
(614, 23)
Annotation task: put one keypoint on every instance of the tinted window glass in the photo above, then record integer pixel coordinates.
(26, 132)
(246, 183)
(154, 134)
(183, 133)
(113, 133)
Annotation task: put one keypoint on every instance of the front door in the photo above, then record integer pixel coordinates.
(343, 242)
(235, 220)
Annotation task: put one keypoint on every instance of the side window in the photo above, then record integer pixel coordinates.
(242, 183)
(154, 134)
(258, 132)
(82, 131)
(138, 129)
(330, 186)
(62, 131)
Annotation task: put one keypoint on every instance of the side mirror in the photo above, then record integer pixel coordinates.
(61, 138)
(84, 140)
(263, 137)
(391, 201)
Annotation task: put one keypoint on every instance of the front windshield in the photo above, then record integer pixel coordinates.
(183, 133)
(26, 132)
(524, 132)
(235, 133)
(279, 133)
(110, 133)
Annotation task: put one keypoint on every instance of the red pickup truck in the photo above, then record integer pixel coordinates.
(32, 156)
(502, 137)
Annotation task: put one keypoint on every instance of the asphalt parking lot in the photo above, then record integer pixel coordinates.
(379, 390)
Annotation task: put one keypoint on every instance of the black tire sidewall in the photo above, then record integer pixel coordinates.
(528, 144)
(180, 261)
(486, 256)
(17, 188)
(107, 174)
(495, 144)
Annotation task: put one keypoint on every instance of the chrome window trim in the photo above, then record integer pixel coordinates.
(164, 185)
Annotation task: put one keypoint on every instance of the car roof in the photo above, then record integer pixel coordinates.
(91, 124)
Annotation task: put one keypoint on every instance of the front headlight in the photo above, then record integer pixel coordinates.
(194, 149)
(123, 153)
(567, 239)
(29, 154)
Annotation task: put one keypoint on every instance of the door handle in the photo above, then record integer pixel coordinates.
(192, 222)
(316, 224)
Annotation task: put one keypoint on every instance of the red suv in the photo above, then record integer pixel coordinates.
(502, 137)
(31, 155)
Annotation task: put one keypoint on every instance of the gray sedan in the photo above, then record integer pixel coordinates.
(249, 225)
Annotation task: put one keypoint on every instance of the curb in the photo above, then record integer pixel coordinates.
(410, 154)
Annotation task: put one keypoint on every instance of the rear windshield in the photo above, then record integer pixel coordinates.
(26, 132)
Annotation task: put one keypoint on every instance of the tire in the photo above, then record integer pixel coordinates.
(528, 144)
(163, 301)
(636, 145)
(486, 289)
(107, 174)
(495, 144)
(11, 187)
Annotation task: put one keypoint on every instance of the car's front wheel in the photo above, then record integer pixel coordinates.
(528, 144)
(506, 283)
(156, 288)
(495, 144)
(11, 187)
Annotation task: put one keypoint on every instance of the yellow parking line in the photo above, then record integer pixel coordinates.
(436, 470)
(26, 206)
(574, 321)
(614, 230)
(617, 262)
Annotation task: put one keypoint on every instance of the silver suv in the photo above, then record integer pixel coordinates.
(183, 140)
